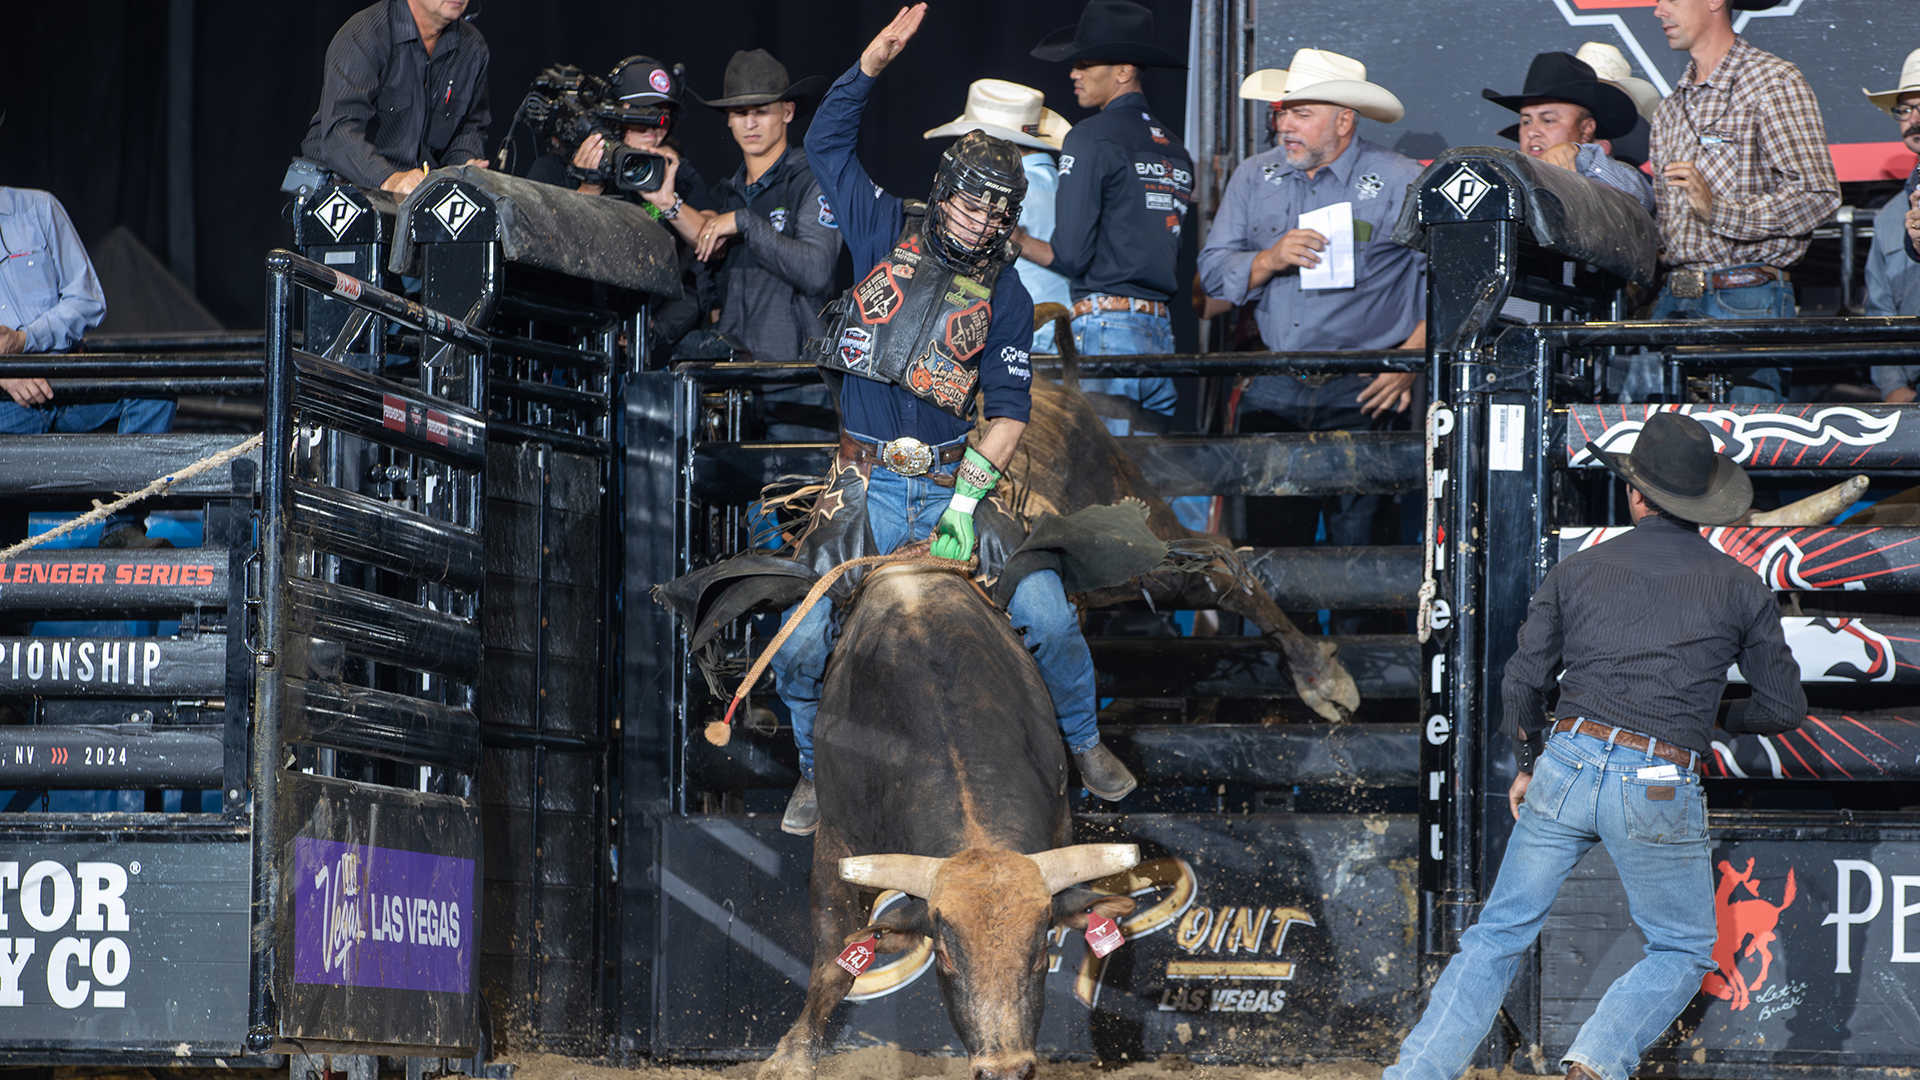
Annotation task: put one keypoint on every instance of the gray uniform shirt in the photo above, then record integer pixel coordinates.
(1264, 201)
(1893, 284)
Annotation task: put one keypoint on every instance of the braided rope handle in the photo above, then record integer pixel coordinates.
(720, 732)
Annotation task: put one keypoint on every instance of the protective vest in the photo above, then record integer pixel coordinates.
(913, 323)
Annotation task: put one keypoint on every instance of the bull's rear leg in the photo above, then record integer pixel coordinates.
(836, 914)
(1319, 677)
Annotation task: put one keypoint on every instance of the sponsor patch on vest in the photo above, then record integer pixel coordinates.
(940, 379)
(966, 330)
(878, 295)
(856, 348)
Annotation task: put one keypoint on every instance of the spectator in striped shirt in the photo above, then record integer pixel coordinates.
(1741, 177)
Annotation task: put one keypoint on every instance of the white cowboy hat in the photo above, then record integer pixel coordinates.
(1612, 67)
(1909, 83)
(1319, 75)
(1007, 110)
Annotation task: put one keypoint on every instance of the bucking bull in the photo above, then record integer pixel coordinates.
(951, 786)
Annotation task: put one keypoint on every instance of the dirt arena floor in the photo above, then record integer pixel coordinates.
(883, 1064)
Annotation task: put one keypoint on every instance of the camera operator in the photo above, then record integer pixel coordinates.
(640, 100)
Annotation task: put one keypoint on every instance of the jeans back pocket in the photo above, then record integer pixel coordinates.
(1664, 811)
(1552, 779)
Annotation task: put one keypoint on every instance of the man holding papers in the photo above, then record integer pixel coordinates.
(1302, 233)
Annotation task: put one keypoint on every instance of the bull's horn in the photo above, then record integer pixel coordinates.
(1818, 508)
(911, 874)
(1064, 866)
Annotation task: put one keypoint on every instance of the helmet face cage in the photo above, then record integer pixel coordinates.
(986, 173)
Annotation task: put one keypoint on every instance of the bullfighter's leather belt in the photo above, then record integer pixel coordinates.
(906, 455)
(1691, 282)
(1087, 305)
(1632, 740)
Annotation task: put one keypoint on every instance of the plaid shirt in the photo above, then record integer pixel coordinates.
(1754, 132)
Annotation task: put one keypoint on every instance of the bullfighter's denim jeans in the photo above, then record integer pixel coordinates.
(1584, 791)
(901, 510)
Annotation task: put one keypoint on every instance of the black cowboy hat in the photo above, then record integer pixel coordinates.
(1630, 148)
(1674, 465)
(754, 77)
(1558, 76)
(1109, 32)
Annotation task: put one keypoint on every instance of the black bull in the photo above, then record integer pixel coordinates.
(941, 774)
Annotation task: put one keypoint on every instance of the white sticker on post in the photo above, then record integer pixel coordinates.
(1506, 438)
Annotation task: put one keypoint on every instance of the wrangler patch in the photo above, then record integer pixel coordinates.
(1660, 794)
(966, 331)
(879, 296)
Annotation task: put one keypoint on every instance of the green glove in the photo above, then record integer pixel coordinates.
(953, 537)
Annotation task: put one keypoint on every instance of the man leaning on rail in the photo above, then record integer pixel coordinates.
(1893, 267)
(1637, 636)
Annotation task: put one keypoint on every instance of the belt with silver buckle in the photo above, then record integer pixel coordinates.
(1693, 282)
(906, 455)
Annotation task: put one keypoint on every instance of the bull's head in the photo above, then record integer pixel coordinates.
(988, 912)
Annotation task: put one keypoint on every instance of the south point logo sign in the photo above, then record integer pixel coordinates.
(60, 930)
(1629, 19)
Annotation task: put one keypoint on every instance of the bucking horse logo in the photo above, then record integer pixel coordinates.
(1738, 434)
(1745, 932)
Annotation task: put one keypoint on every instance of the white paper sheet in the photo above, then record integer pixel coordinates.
(1336, 262)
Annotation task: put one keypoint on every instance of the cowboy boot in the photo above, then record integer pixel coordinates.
(1577, 1071)
(803, 810)
(1103, 774)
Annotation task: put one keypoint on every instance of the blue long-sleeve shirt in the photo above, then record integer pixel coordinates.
(871, 220)
(48, 290)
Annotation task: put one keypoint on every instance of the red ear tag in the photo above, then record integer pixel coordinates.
(1103, 934)
(857, 957)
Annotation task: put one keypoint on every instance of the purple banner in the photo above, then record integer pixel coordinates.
(374, 916)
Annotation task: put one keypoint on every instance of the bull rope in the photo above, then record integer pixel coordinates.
(720, 732)
(101, 511)
(1429, 588)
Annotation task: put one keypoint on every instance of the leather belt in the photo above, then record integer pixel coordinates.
(1691, 282)
(907, 456)
(1632, 740)
(1087, 305)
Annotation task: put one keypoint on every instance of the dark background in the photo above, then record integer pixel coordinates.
(87, 85)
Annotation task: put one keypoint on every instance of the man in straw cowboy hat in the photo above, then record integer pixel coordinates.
(934, 326)
(1893, 266)
(1611, 65)
(1257, 248)
(1637, 634)
(1018, 114)
(782, 235)
(1567, 118)
(1126, 184)
(1742, 176)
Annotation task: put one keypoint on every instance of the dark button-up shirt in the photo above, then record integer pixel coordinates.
(1641, 631)
(1754, 131)
(1125, 186)
(1264, 201)
(48, 290)
(872, 219)
(779, 273)
(386, 106)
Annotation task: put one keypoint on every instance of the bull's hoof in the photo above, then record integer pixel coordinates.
(785, 1065)
(1329, 691)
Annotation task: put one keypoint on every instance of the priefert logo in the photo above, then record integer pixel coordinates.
(85, 906)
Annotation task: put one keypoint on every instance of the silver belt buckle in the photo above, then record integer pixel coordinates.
(907, 456)
(1687, 283)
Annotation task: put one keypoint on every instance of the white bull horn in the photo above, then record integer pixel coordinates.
(911, 874)
(1061, 867)
(1816, 509)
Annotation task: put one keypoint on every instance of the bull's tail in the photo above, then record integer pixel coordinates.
(1063, 342)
